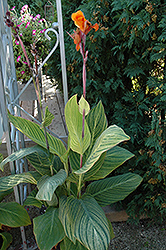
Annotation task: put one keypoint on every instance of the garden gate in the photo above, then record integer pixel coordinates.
(10, 96)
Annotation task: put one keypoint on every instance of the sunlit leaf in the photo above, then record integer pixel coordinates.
(115, 157)
(47, 185)
(11, 181)
(33, 131)
(48, 117)
(83, 105)
(112, 136)
(74, 121)
(96, 121)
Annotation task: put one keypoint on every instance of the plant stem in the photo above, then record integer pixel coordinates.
(79, 186)
(37, 88)
(84, 56)
(84, 77)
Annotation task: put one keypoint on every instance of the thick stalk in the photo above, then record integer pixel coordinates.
(84, 55)
(84, 77)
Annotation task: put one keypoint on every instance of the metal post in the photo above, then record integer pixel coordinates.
(62, 50)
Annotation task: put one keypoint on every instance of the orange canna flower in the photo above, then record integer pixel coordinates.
(77, 38)
(84, 25)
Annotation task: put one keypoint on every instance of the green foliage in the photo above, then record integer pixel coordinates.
(73, 212)
(49, 222)
(7, 239)
(126, 71)
(12, 214)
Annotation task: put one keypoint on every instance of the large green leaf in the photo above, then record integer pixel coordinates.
(115, 157)
(11, 181)
(74, 124)
(47, 185)
(113, 189)
(43, 162)
(89, 224)
(33, 131)
(96, 121)
(5, 193)
(7, 239)
(95, 168)
(65, 218)
(13, 215)
(67, 244)
(31, 200)
(21, 153)
(48, 229)
(74, 159)
(112, 136)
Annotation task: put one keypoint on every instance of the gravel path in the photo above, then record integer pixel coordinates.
(138, 237)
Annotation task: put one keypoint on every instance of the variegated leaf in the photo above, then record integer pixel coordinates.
(65, 219)
(115, 157)
(11, 181)
(74, 124)
(33, 131)
(112, 136)
(48, 229)
(88, 222)
(47, 185)
(113, 189)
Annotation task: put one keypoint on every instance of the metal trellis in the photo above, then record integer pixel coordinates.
(10, 96)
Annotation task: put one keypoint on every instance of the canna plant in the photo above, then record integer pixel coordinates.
(71, 182)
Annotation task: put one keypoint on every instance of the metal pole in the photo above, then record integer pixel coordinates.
(62, 50)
